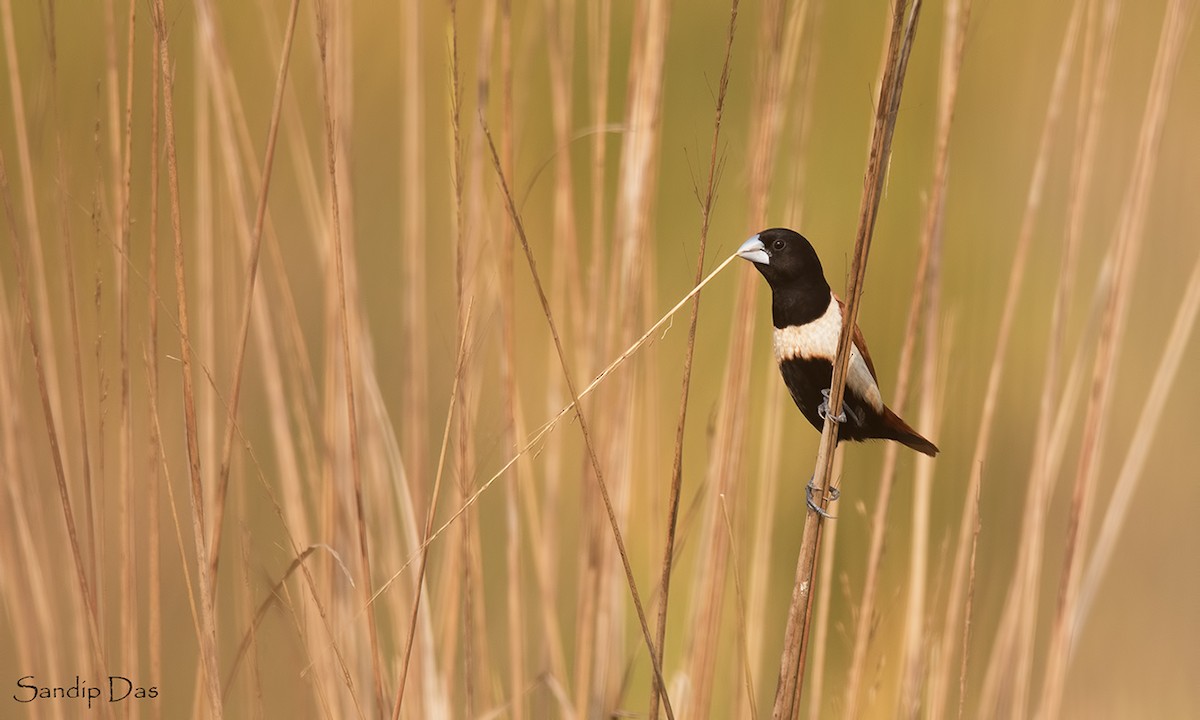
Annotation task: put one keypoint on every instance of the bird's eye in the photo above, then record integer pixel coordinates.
(777, 245)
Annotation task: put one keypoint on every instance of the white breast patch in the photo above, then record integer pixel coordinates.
(819, 338)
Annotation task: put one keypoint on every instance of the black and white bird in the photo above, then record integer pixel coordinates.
(808, 324)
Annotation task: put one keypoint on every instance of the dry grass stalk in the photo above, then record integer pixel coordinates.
(1130, 235)
(816, 683)
(514, 585)
(914, 662)
(1093, 85)
(127, 490)
(620, 434)
(706, 206)
(865, 621)
(239, 355)
(153, 533)
(40, 302)
(348, 353)
(207, 628)
(566, 289)
(1139, 448)
(73, 310)
(1003, 648)
(964, 648)
(415, 403)
(779, 37)
(429, 518)
(599, 24)
(791, 667)
(85, 588)
(583, 424)
(743, 650)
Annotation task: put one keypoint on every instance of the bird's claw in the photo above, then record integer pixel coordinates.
(823, 409)
(809, 489)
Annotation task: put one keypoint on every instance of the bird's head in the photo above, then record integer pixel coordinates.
(785, 258)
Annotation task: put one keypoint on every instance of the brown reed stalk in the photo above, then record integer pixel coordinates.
(429, 518)
(512, 556)
(207, 630)
(40, 302)
(865, 621)
(127, 490)
(73, 306)
(1093, 90)
(816, 683)
(706, 207)
(239, 355)
(583, 423)
(1130, 475)
(247, 602)
(153, 525)
(743, 650)
(965, 645)
(599, 24)
(85, 588)
(914, 662)
(791, 667)
(1129, 240)
(349, 354)
(415, 405)
(567, 288)
(1005, 636)
(779, 37)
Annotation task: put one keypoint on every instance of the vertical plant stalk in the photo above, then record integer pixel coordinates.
(791, 666)
(128, 491)
(208, 625)
(1139, 447)
(743, 650)
(416, 332)
(706, 207)
(599, 25)
(1093, 84)
(239, 356)
(40, 302)
(824, 597)
(349, 356)
(1129, 240)
(154, 473)
(583, 425)
(63, 185)
(780, 29)
(429, 517)
(914, 666)
(85, 589)
(515, 605)
(1006, 633)
(866, 616)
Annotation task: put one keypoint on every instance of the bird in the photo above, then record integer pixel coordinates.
(807, 318)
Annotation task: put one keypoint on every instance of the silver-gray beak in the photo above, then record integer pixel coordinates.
(754, 251)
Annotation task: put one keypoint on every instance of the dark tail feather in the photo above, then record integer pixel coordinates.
(899, 431)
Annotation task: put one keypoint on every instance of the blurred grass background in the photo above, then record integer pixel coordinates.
(1136, 653)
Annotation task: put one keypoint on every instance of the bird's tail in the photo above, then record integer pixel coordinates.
(900, 431)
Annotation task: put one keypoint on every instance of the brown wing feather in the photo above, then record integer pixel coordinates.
(860, 342)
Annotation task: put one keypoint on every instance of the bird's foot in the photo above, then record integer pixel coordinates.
(810, 489)
(823, 409)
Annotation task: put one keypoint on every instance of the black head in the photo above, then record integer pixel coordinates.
(786, 259)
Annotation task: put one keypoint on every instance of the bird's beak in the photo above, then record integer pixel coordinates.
(754, 251)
